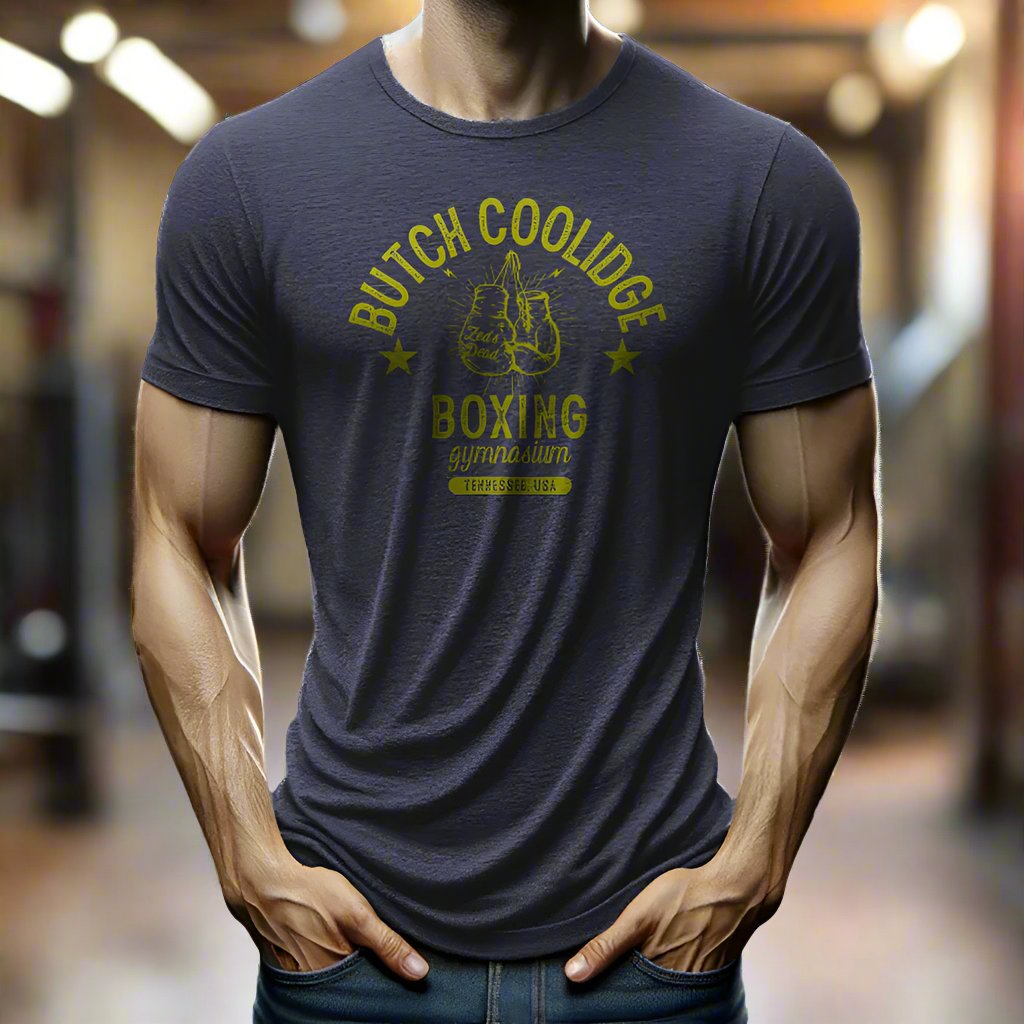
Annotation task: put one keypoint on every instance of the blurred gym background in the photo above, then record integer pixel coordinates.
(907, 902)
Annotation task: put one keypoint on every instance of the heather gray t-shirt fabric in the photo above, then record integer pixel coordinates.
(504, 358)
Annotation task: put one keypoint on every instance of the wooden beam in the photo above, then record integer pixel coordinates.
(746, 17)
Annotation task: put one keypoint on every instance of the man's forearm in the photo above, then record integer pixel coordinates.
(812, 643)
(196, 645)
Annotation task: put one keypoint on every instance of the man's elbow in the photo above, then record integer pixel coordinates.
(845, 546)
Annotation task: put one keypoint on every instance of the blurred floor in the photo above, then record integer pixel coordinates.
(121, 922)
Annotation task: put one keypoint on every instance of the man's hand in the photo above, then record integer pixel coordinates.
(306, 918)
(688, 919)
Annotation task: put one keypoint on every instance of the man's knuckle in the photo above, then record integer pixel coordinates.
(390, 946)
(360, 918)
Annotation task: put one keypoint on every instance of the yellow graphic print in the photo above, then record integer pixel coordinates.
(492, 344)
(510, 329)
(622, 358)
(398, 357)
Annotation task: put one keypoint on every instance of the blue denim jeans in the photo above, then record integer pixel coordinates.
(361, 990)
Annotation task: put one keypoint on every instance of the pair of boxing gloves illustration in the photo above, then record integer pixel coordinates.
(492, 343)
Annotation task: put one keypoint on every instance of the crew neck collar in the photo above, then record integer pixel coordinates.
(504, 127)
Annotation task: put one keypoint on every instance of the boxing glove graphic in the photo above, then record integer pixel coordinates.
(537, 341)
(491, 344)
(488, 334)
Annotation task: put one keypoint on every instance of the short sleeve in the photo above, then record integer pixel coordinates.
(802, 283)
(209, 345)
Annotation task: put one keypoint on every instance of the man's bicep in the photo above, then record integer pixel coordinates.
(199, 469)
(810, 468)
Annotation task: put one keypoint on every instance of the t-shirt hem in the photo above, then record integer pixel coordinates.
(807, 385)
(228, 396)
(497, 944)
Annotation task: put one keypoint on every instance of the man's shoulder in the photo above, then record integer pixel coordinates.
(726, 130)
(282, 129)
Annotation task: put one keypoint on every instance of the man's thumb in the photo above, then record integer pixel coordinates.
(601, 950)
(391, 948)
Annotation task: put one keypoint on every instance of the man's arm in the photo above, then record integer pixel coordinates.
(199, 474)
(811, 475)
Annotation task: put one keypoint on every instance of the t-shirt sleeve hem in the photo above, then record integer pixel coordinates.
(228, 396)
(807, 385)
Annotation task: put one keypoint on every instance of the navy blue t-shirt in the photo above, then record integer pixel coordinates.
(504, 357)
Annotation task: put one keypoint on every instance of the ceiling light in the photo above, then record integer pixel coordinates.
(88, 36)
(618, 15)
(32, 82)
(855, 103)
(934, 35)
(152, 81)
(318, 21)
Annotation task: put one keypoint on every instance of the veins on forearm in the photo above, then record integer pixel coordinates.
(803, 694)
(207, 698)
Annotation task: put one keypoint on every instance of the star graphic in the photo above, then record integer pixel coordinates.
(398, 358)
(622, 358)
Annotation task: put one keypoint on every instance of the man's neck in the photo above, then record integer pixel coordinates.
(485, 60)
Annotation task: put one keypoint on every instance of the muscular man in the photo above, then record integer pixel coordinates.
(501, 801)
